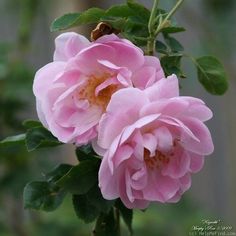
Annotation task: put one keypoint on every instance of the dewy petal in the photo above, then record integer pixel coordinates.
(122, 110)
(68, 45)
(164, 88)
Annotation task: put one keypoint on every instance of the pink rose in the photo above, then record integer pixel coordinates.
(152, 141)
(73, 91)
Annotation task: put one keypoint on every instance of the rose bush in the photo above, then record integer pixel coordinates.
(152, 141)
(73, 91)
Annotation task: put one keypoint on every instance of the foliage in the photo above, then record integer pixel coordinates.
(143, 28)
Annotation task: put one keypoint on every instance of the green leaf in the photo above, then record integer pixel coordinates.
(119, 11)
(140, 10)
(84, 209)
(107, 225)
(127, 215)
(172, 65)
(31, 123)
(174, 44)
(40, 137)
(81, 178)
(41, 195)
(211, 75)
(116, 22)
(161, 47)
(67, 21)
(85, 152)
(136, 31)
(58, 172)
(88, 206)
(64, 22)
(173, 30)
(13, 140)
(96, 199)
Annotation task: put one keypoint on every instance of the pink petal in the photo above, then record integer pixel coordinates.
(147, 120)
(164, 138)
(197, 109)
(170, 107)
(105, 84)
(100, 151)
(68, 45)
(160, 188)
(44, 78)
(137, 203)
(123, 153)
(178, 123)
(155, 63)
(150, 143)
(196, 163)
(107, 38)
(185, 182)
(88, 59)
(178, 165)
(107, 182)
(122, 110)
(139, 179)
(164, 88)
(85, 137)
(40, 113)
(144, 77)
(122, 74)
(127, 55)
(202, 147)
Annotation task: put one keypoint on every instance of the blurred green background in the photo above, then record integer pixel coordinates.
(26, 44)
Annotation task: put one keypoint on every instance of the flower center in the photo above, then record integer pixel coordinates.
(103, 96)
(157, 161)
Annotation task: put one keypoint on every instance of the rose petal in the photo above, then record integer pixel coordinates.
(68, 45)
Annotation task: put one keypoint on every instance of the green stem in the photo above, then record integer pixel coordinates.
(152, 16)
(151, 47)
(170, 14)
(162, 23)
(151, 25)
